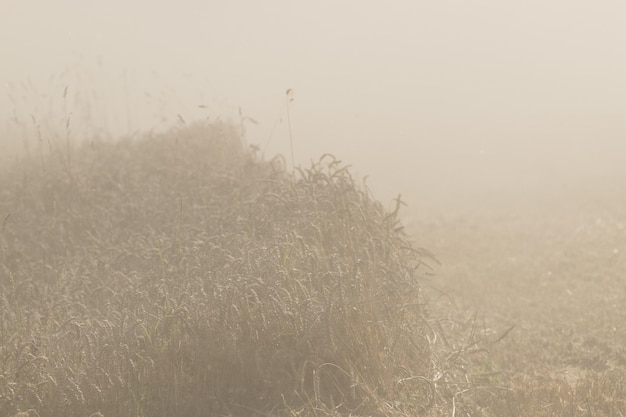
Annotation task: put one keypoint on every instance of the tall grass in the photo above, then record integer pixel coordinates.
(181, 275)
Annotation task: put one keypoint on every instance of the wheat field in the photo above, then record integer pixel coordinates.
(181, 274)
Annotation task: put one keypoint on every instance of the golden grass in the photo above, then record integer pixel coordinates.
(180, 275)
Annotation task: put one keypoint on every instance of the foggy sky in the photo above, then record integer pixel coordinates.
(441, 97)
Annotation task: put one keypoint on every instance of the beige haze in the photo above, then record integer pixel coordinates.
(438, 100)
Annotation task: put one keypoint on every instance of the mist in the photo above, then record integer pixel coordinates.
(443, 102)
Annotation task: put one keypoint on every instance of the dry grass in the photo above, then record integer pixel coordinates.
(181, 275)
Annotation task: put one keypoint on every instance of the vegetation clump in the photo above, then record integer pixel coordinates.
(181, 274)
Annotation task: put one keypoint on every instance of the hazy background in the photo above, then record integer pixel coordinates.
(441, 100)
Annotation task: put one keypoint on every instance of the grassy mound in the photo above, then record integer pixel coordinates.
(180, 275)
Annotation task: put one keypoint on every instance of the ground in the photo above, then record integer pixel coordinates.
(541, 274)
